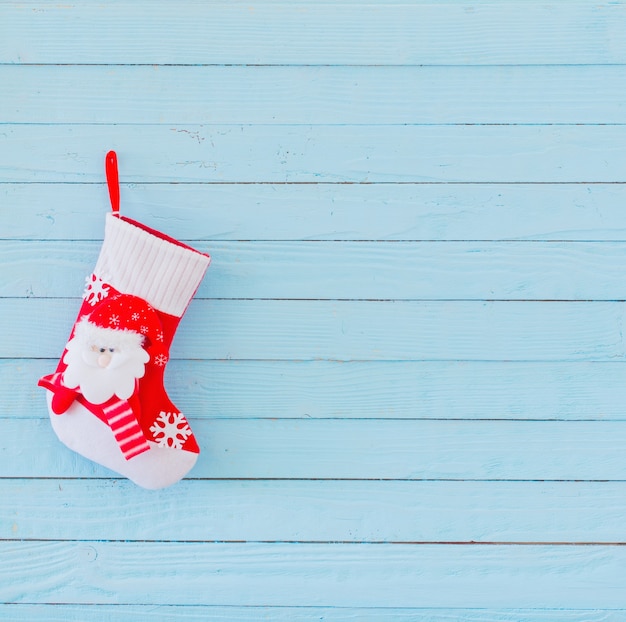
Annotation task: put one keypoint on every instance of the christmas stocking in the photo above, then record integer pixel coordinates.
(106, 399)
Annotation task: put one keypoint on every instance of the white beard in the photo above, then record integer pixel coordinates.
(98, 384)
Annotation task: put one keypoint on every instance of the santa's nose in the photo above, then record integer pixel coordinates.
(104, 359)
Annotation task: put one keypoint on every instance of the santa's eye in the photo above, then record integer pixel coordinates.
(111, 349)
(103, 349)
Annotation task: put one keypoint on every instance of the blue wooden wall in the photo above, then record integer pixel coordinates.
(405, 366)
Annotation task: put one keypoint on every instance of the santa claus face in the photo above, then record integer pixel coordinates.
(102, 362)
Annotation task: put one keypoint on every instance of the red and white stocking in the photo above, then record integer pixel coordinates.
(106, 399)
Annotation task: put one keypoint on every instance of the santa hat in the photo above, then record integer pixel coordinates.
(123, 320)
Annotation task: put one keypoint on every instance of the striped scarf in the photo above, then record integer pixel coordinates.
(126, 428)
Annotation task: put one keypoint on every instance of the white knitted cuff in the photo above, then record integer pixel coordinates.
(137, 260)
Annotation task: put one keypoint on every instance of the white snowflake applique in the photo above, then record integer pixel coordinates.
(144, 330)
(96, 290)
(114, 320)
(170, 430)
(160, 360)
(134, 317)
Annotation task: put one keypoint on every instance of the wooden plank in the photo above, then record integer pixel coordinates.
(455, 212)
(283, 153)
(345, 575)
(457, 32)
(356, 449)
(353, 330)
(202, 613)
(312, 95)
(353, 270)
(367, 390)
(315, 511)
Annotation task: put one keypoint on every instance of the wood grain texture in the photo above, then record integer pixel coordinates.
(323, 211)
(314, 574)
(319, 153)
(405, 367)
(226, 389)
(357, 449)
(353, 270)
(354, 330)
(454, 32)
(313, 95)
(201, 613)
(315, 511)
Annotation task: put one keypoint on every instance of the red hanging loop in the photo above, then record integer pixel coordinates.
(113, 181)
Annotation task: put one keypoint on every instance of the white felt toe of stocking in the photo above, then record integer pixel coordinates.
(84, 433)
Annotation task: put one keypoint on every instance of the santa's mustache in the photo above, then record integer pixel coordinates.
(105, 359)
